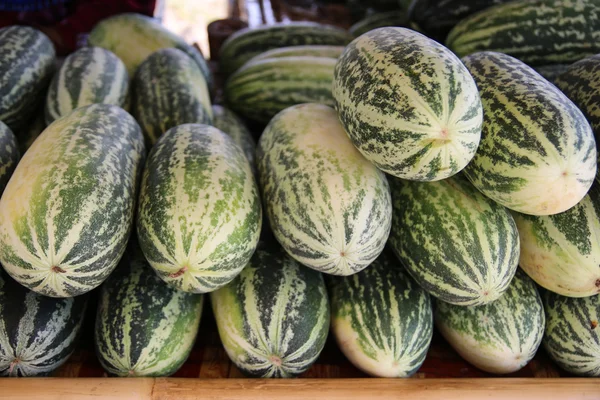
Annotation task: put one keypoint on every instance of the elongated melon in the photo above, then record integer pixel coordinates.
(67, 212)
(381, 319)
(9, 155)
(327, 205)
(460, 246)
(273, 318)
(200, 215)
(90, 75)
(500, 337)
(408, 104)
(37, 333)
(144, 327)
(537, 154)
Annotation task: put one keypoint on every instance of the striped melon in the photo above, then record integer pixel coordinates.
(88, 76)
(169, 90)
(9, 155)
(37, 333)
(438, 17)
(381, 319)
(273, 319)
(562, 252)
(144, 327)
(226, 121)
(500, 337)
(260, 89)
(200, 215)
(379, 20)
(26, 67)
(572, 337)
(327, 205)
(133, 37)
(537, 32)
(67, 211)
(581, 83)
(300, 51)
(537, 153)
(459, 245)
(408, 104)
(247, 43)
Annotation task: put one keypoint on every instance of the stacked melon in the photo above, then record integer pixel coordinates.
(403, 188)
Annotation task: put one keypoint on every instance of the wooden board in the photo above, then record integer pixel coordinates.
(231, 389)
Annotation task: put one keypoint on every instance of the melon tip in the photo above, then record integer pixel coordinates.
(275, 360)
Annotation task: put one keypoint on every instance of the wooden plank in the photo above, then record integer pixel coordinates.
(295, 389)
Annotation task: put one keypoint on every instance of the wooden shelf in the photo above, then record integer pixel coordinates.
(292, 389)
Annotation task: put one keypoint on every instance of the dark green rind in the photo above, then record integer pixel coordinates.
(458, 245)
(581, 83)
(537, 153)
(199, 217)
(133, 37)
(36, 126)
(273, 318)
(261, 89)
(37, 333)
(379, 20)
(9, 155)
(27, 59)
(169, 90)
(88, 166)
(438, 17)
(381, 318)
(88, 76)
(572, 337)
(246, 43)
(226, 121)
(500, 337)
(144, 327)
(537, 32)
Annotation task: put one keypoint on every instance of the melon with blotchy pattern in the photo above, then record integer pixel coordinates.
(500, 337)
(37, 333)
(460, 246)
(133, 37)
(9, 155)
(249, 42)
(199, 216)
(227, 121)
(408, 104)
(537, 32)
(262, 88)
(562, 252)
(273, 318)
(169, 90)
(572, 337)
(537, 153)
(67, 212)
(381, 318)
(88, 76)
(27, 59)
(144, 327)
(327, 205)
(581, 83)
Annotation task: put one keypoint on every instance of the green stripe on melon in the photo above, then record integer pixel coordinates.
(9, 155)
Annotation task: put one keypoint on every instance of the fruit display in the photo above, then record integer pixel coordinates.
(424, 179)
